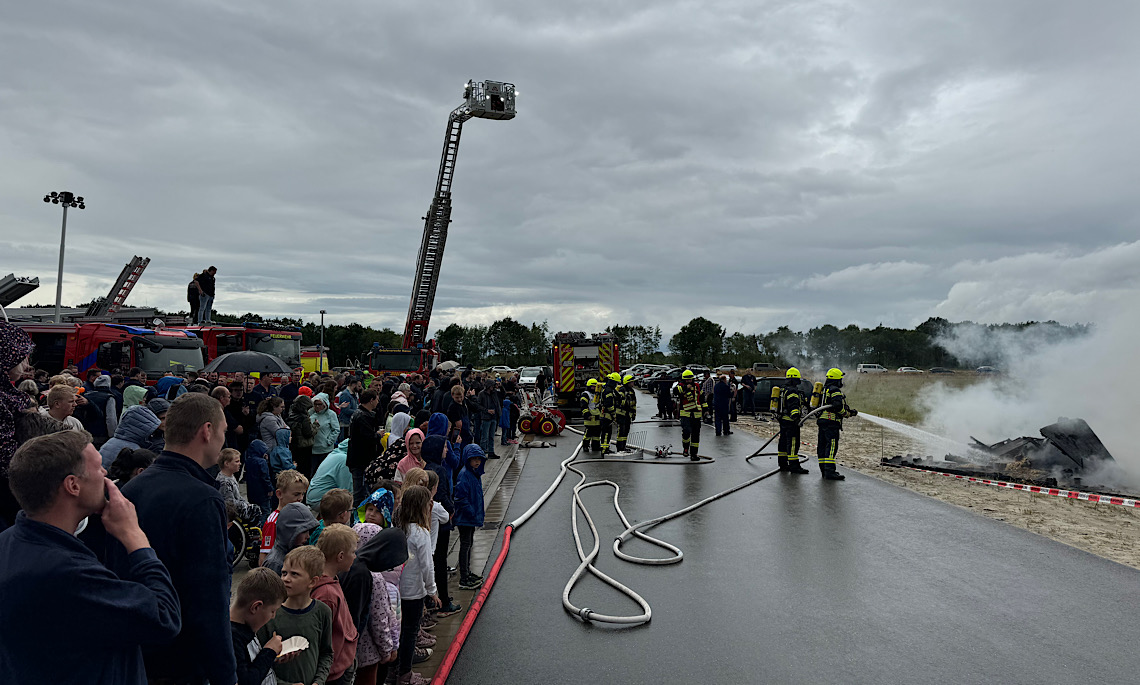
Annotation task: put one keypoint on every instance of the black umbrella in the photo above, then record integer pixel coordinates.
(247, 361)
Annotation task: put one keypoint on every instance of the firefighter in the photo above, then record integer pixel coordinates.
(691, 402)
(589, 401)
(789, 414)
(830, 422)
(626, 411)
(610, 400)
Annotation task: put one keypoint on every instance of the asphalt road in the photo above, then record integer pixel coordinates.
(797, 580)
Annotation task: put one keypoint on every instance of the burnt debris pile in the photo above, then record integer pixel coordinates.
(1068, 454)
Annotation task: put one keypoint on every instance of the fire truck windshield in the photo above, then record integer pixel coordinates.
(282, 345)
(395, 360)
(176, 359)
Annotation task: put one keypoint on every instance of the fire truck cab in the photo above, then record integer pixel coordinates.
(576, 359)
(114, 346)
(219, 340)
(420, 359)
(280, 341)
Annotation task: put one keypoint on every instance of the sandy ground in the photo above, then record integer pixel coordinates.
(1107, 530)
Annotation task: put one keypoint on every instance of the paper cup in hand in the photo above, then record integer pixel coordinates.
(293, 644)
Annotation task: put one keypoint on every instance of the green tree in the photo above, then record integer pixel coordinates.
(699, 341)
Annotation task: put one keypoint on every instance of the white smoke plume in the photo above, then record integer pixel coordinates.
(1093, 377)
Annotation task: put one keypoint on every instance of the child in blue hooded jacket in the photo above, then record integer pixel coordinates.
(280, 458)
(469, 512)
(258, 484)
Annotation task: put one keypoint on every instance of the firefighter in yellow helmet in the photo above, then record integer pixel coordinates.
(830, 423)
(691, 402)
(789, 413)
(589, 404)
(609, 404)
(626, 410)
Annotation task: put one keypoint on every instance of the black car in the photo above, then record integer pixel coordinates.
(941, 369)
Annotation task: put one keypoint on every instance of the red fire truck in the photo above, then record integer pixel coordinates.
(420, 359)
(114, 346)
(280, 341)
(576, 359)
(219, 340)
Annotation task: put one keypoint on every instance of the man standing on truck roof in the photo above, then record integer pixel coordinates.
(206, 283)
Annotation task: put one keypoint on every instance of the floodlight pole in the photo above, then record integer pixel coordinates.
(67, 199)
(321, 353)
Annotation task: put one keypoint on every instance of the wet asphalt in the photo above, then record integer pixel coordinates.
(796, 580)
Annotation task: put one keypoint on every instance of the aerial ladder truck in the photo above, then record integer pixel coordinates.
(483, 100)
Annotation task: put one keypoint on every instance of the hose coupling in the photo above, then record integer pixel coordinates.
(584, 614)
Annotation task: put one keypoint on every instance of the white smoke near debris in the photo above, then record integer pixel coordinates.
(1093, 377)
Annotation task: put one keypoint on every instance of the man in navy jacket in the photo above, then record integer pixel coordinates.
(184, 515)
(64, 618)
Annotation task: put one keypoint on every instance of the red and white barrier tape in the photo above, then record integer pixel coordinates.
(1037, 489)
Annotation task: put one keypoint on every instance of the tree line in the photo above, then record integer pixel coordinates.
(934, 342)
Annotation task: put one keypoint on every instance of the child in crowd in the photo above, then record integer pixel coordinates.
(469, 512)
(229, 465)
(294, 525)
(378, 624)
(302, 615)
(505, 423)
(258, 485)
(380, 505)
(338, 544)
(417, 580)
(439, 515)
(443, 463)
(259, 596)
(291, 487)
(280, 458)
(336, 507)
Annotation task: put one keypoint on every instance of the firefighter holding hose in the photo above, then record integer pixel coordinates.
(610, 401)
(626, 410)
(789, 413)
(830, 423)
(589, 403)
(691, 402)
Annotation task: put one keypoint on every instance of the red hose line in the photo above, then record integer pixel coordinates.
(472, 613)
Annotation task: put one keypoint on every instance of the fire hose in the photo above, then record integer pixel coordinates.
(587, 559)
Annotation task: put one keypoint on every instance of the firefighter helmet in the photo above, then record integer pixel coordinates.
(687, 374)
(615, 376)
(792, 373)
(627, 379)
(834, 374)
(591, 383)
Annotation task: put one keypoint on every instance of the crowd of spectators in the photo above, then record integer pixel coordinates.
(117, 494)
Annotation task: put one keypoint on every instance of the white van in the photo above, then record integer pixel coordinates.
(871, 368)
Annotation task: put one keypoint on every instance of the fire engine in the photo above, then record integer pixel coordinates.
(576, 359)
(280, 341)
(493, 100)
(218, 340)
(422, 359)
(109, 346)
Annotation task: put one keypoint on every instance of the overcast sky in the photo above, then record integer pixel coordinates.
(757, 163)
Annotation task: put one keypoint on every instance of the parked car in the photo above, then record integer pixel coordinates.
(528, 376)
(669, 376)
(764, 391)
(765, 369)
(909, 369)
(987, 369)
(725, 368)
(941, 369)
(500, 370)
(871, 368)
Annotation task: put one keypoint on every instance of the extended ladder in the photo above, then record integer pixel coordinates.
(435, 235)
(123, 286)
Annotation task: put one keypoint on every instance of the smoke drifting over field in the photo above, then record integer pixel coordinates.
(1093, 377)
